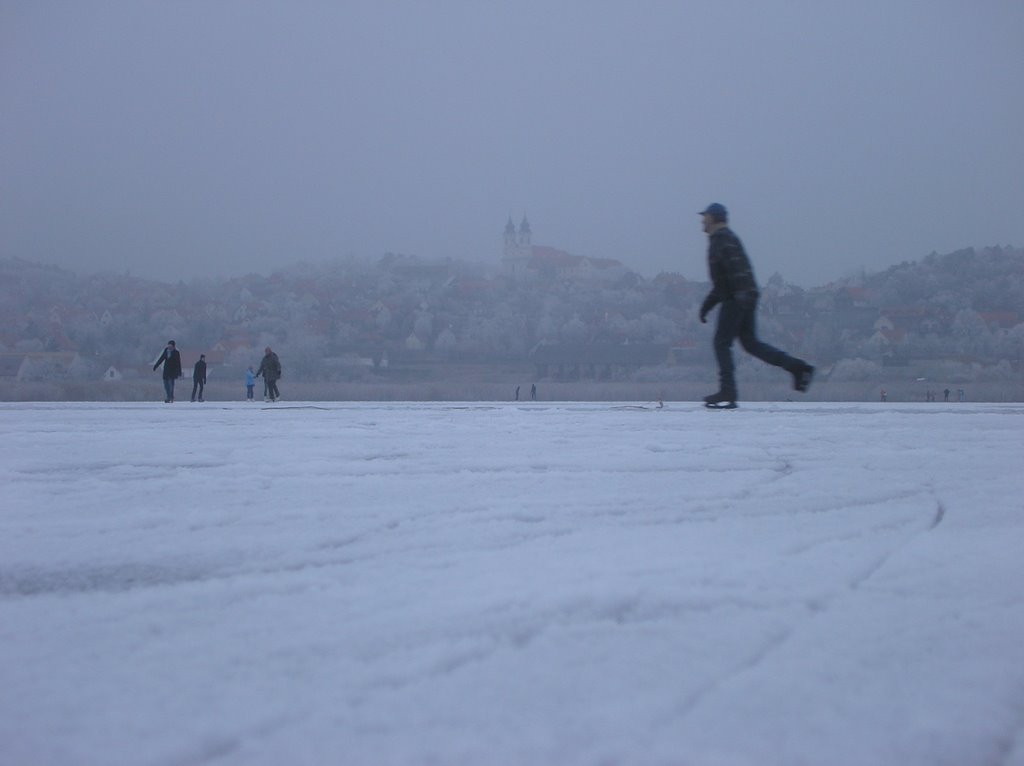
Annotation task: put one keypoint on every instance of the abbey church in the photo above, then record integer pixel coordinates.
(518, 248)
(522, 260)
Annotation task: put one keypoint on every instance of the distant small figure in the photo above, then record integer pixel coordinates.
(946, 394)
(170, 358)
(961, 395)
(250, 383)
(884, 396)
(533, 392)
(517, 393)
(270, 369)
(199, 377)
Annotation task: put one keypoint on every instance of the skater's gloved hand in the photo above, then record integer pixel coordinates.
(706, 307)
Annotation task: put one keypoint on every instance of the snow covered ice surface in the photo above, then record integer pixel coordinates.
(548, 583)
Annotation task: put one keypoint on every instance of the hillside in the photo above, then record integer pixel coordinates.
(405, 319)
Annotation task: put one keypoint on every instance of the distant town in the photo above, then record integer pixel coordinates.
(535, 315)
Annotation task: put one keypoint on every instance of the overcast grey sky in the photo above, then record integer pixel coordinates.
(197, 137)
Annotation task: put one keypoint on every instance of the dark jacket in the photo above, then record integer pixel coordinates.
(270, 367)
(732, 275)
(199, 372)
(171, 360)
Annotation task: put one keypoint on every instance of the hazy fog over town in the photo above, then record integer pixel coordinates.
(445, 489)
(179, 140)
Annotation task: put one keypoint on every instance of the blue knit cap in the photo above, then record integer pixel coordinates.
(716, 210)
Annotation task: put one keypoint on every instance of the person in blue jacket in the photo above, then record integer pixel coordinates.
(250, 382)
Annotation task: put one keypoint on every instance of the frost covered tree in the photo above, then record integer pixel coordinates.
(970, 332)
(574, 331)
(446, 342)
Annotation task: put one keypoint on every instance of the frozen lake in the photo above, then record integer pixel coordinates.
(549, 583)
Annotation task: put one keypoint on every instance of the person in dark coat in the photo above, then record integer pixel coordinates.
(270, 369)
(171, 360)
(199, 377)
(734, 288)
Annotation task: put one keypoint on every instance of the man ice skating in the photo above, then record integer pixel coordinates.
(734, 287)
(170, 358)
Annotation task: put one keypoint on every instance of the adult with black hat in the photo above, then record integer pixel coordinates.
(734, 288)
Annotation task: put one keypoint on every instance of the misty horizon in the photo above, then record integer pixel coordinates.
(184, 141)
(493, 269)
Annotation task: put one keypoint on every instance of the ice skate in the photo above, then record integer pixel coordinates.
(722, 400)
(802, 378)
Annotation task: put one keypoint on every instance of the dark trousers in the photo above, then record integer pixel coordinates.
(169, 389)
(197, 385)
(737, 318)
(272, 391)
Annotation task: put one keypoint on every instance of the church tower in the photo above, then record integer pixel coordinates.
(518, 249)
(510, 239)
(525, 247)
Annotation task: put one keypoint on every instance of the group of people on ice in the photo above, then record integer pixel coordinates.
(533, 392)
(170, 359)
(733, 289)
